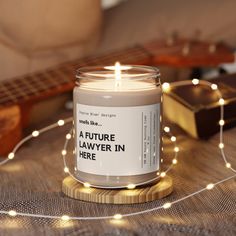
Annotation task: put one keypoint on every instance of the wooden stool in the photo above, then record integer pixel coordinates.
(76, 190)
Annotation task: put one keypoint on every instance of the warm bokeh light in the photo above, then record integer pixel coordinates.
(11, 155)
(166, 87)
(63, 152)
(87, 185)
(214, 86)
(131, 186)
(35, 133)
(221, 145)
(117, 216)
(195, 81)
(65, 217)
(167, 205)
(210, 186)
(61, 122)
(12, 213)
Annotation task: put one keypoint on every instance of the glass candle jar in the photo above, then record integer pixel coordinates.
(117, 117)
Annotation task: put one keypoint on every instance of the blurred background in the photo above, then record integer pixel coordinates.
(35, 35)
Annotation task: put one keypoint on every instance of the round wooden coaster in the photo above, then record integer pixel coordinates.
(76, 190)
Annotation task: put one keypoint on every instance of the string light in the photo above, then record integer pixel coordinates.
(176, 149)
(163, 174)
(11, 155)
(221, 101)
(221, 145)
(210, 186)
(65, 217)
(63, 152)
(35, 133)
(214, 87)
(195, 81)
(12, 213)
(61, 122)
(221, 122)
(87, 185)
(228, 165)
(167, 129)
(167, 205)
(174, 161)
(173, 138)
(131, 186)
(66, 169)
(117, 216)
(166, 87)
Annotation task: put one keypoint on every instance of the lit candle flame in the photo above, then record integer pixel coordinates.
(117, 75)
(117, 68)
(117, 71)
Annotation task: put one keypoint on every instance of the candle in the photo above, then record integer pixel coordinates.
(117, 112)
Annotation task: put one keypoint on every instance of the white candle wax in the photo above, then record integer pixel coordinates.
(117, 127)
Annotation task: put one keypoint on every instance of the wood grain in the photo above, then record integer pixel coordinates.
(76, 190)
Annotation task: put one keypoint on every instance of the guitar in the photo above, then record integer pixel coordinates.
(18, 95)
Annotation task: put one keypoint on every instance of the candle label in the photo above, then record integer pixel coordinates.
(118, 141)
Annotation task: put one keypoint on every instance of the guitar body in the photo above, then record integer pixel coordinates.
(10, 128)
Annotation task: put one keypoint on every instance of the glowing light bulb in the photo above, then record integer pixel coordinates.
(221, 101)
(176, 149)
(12, 213)
(210, 186)
(174, 161)
(65, 217)
(228, 165)
(131, 186)
(35, 133)
(167, 129)
(68, 136)
(87, 185)
(66, 170)
(117, 216)
(221, 122)
(63, 152)
(214, 87)
(165, 87)
(11, 155)
(158, 173)
(61, 122)
(195, 81)
(163, 174)
(221, 145)
(173, 138)
(167, 205)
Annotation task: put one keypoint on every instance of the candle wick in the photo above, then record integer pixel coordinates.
(117, 71)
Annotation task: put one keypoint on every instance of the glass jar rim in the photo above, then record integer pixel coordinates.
(136, 72)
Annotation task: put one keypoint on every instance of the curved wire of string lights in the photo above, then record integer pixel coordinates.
(166, 87)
